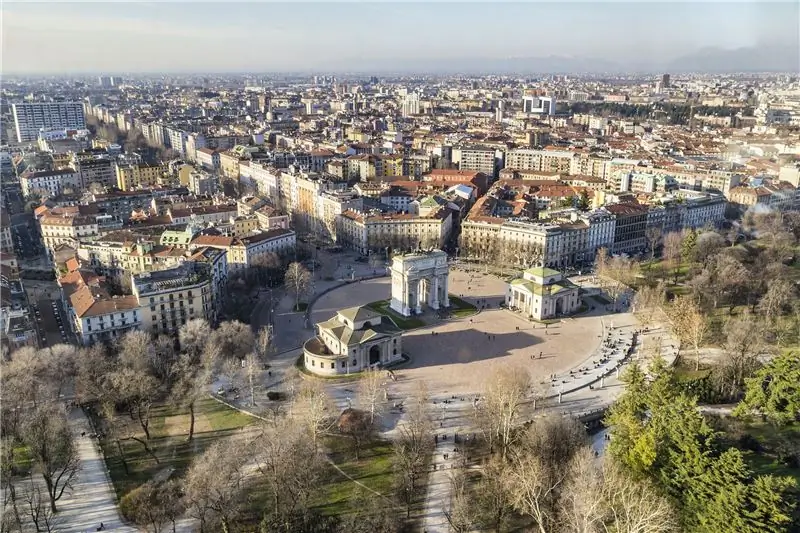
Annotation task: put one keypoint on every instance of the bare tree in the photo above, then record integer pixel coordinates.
(673, 245)
(745, 342)
(648, 301)
(355, 424)
(143, 507)
(193, 336)
(460, 513)
(265, 343)
(315, 409)
(499, 409)
(653, 235)
(213, 486)
(163, 357)
(289, 463)
(492, 501)
(778, 297)
(11, 519)
(93, 367)
(709, 243)
(636, 506)
(372, 393)
(191, 385)
(689, 324)
(37, 507)
(413, 447)
(297, 281)
(137, 390)
(583, 501)
(133, 350)
(52, 449)
(532, 490)
(232, 340)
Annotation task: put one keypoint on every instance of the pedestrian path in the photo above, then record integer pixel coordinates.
(450, 420)
(92, 500)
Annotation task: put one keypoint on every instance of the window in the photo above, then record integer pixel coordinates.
(313, 362)
(343, 363)
(355, 363)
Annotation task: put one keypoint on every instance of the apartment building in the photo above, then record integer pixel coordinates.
(364, 167)
(203, 214)
(375, 232)
(94, 170)
(95, 315)
(66, 228)
(121, 204)
(243, 251)
(485, 159)
(6, 243)
(31, 117)
(203, 184)
(49, 182)
(630, 227)
(416, 165)
(745, 197)
(169, 298)
(116, 255)
(589, 165)
(266, 179)
(229, 164)
(540, 160)
(139, 176)
(333, 204)
(208, 159)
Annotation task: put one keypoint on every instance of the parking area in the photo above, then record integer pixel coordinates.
(27, 244)
(51, 323)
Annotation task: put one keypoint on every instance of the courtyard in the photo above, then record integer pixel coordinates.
(455, 356)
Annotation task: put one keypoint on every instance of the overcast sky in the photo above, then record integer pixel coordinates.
(67, 37)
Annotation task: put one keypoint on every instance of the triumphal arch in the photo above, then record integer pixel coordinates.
(419, 278)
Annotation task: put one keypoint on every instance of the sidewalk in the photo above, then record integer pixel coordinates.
(92, 499)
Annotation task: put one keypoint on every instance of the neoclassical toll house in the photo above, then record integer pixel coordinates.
(355, 339)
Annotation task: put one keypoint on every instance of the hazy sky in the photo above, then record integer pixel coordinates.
(64, 37)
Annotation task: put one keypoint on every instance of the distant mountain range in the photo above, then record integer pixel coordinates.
(711, 60)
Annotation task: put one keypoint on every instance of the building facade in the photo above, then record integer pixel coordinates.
(29, 118)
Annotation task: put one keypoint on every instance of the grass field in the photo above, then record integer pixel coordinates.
(373, 469)
(461, 308)
(771, 439)
(336, 494)
(382, 306)
(169, 427)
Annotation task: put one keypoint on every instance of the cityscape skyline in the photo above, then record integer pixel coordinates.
(591, 37)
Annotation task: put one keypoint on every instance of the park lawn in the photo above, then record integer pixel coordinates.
(373, 469)
(461, 308)
(169, 427)
(335, 495)
(382, 306)
(769, 435)
(22, 459)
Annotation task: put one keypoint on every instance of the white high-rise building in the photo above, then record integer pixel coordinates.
(545, 105)
(29, 118)
(411, 105)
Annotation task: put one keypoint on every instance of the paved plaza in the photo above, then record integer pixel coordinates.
(455, 356)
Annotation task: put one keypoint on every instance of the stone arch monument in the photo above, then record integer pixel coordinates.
(419, 278)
